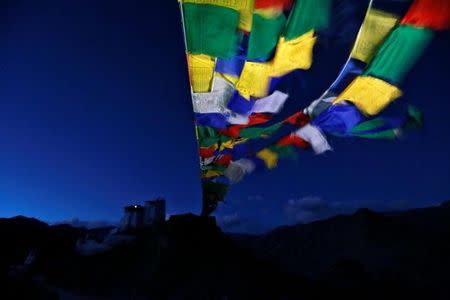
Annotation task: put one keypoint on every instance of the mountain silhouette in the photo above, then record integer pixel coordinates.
(408, 248)
(366, 255)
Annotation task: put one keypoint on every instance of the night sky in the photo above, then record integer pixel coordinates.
(95, 114)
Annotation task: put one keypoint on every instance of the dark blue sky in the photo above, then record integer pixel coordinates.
(95, 114)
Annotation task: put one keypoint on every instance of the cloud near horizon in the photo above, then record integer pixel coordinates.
(312, 208)
(76, 222)
(308, 209)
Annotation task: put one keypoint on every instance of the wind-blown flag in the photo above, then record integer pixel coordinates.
(239, 51)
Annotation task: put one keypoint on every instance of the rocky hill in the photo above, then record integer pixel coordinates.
(403, 249)
(366, 255)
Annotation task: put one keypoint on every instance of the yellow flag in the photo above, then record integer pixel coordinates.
(211, 173)
(231, 143)
(376, 27)
(269, 157)
(369, 94)
(228, 77)
(289, 56)
(246, 15)
(245, 8)
(201, 71)
(254, 80)
(294, 54)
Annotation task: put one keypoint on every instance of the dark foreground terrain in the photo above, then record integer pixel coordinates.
(367, 255)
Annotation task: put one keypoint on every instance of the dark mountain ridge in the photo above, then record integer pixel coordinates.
(411, 247)
(365, 255)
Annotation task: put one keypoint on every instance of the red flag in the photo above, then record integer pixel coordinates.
(298, 119)
(293, 140)
(433, 14)
(254, 119)
(280, 4)
(231, 131)
(207, 152)
(224, 160)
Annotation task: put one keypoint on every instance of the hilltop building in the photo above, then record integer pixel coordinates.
(138, 216)
(154, 211)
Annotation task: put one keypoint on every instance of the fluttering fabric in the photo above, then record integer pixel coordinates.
(242, 53)
(319, 105)
(238, 169)
(376, 27)
(215, 101)
(211, 29)
(388, 126)
(243, 7)
(293, 54)
(241, 108)
(201, 70)
(433, 14)
(264, 35)
(231, 68)
(212, 108)
(275, 4)
(399, 53)
(307, 15)
(293, 140)
(369, 94)
(329, 96)
(270, 104)
(338, 119)
(269, 157)
(351, 70)
(314, 136)
(237, 119)
(254, 80)
(254, 119)
(256, 132)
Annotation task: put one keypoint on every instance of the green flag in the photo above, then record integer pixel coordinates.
(211, 29)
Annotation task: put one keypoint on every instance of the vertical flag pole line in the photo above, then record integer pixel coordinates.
(356, 41)
(186, 55)
(180, 3)
(201, 162)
